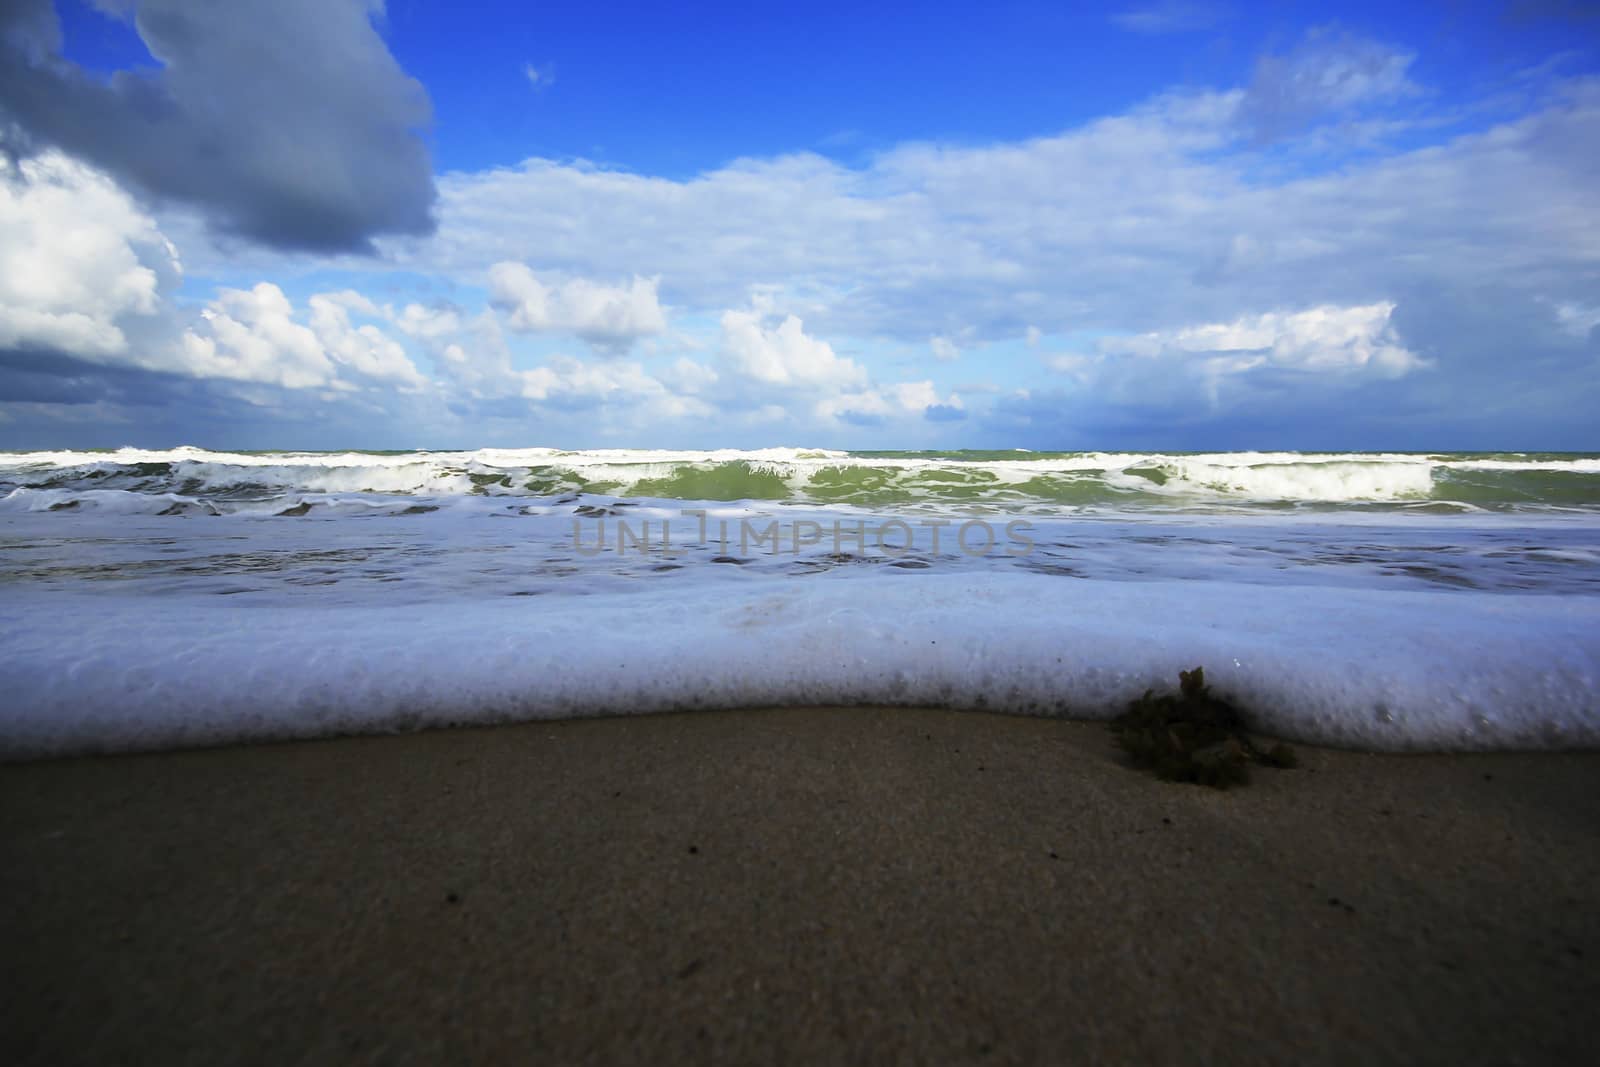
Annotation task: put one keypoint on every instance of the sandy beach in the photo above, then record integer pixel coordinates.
(845, 885)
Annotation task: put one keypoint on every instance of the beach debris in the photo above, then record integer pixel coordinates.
(1193, 736)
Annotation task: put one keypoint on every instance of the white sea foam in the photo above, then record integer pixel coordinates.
(1331, 480)
(1390, 671)
(1094, 479)
(158, 599)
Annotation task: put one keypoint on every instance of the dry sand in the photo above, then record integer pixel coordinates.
(842, 885)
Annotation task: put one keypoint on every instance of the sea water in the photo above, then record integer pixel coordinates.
(154, 599)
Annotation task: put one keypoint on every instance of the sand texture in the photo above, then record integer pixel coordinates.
(800, 886)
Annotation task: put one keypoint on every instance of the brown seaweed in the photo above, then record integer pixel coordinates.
(1193, 736)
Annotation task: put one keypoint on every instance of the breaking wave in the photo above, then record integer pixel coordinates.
(1024, 481)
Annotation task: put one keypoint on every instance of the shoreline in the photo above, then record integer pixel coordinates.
(827, 883)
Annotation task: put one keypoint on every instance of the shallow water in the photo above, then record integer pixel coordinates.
(159, 599)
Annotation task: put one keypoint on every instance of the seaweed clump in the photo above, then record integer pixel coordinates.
(1193, 736)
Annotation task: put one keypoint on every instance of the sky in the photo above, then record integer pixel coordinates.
(1173, 224)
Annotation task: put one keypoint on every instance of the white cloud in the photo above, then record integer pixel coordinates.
(426, 323)
(364, 349)
(477, 357)
(350, 300)
(1164, 216)
(896, 400)
(1169, 225)
(687, 376)
(539, 77)
(1140, 221)
(77, 259)
(1578, 319)
(1234, 361)
(784, 354)
(1330, 71)
(473, 356)
(84, 272)
(564, 380)
(251, 335)
(1326, 339)
(944, 350)
(1074, 365)
(1172, 16)
(610, 318)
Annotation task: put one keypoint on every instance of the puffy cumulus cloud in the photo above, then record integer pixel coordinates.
(91, 331)
(364, 349)
(609, 318)
(784, 354)
(471, 352)
(468, 351)
(567, 382)
(78, 259)
(428, 323)
(1328, 339)
(893, 401)
(252, 336)
(1251, 361)
(289, 122)
(87, 278)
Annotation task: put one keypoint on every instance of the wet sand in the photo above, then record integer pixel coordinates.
(844, 885)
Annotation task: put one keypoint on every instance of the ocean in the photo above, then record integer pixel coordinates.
(1385, 601)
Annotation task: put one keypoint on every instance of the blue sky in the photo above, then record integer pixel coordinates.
(1163, 225)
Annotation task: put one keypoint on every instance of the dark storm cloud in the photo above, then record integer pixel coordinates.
(47, 376)
(47, 383)
(286, 122)
(50, 399)
(1507, 361)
